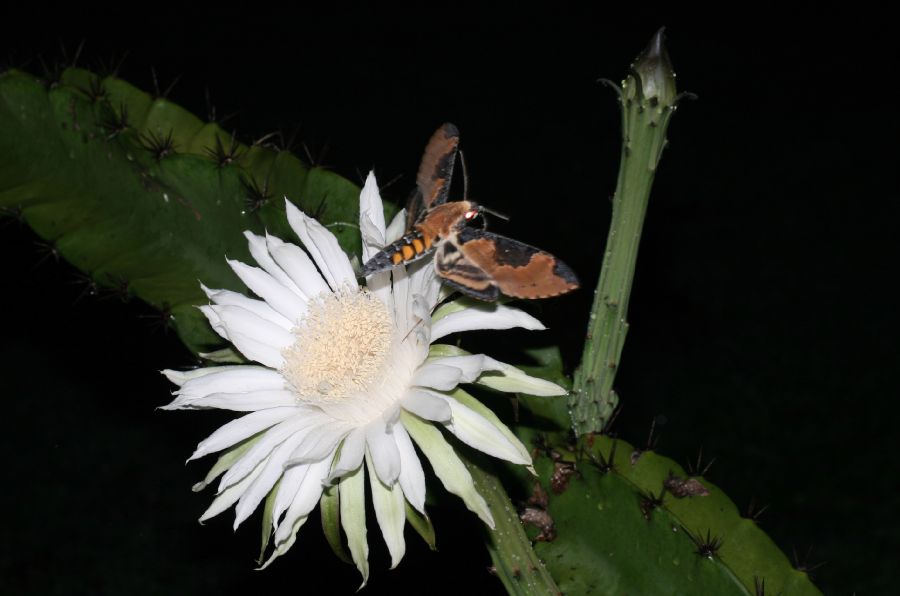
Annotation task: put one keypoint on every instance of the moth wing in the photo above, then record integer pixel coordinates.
(435, 172)
(517, 269)
(462, 274)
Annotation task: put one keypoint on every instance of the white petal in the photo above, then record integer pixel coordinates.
(353, 519)
(287, 490)
(352, 451)
(215, 322)
(290, 305)
(400, 294)
(447, 465)
(427, 405)
(437, 376)
(297, 264)
(489, 415)
(384, 452)
(470, 367)
(242, 428)
(272, 470)
(258, 307)
(472, 429)
(233, 379)
(318, 442)
(259, 249)
(396, 228)
(496, 316)
(225, 461)
(412, 477)
(390, 512)
(249, 401)
(307, 494)
(371, 218)
(229, 497)
(255, 337)
(180, 377)
(264, 446)
(513, 380)
(425, 281)
(323, 247)
(306, 497)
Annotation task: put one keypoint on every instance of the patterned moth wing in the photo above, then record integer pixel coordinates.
(471, 260)
(484, 265)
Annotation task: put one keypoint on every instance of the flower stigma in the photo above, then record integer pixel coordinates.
(341, 346)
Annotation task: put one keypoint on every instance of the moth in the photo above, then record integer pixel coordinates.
(467, 258)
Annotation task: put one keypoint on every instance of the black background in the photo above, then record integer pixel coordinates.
(762, 319)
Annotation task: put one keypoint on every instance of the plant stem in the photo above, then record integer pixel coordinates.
(648, 99)
(515, 562)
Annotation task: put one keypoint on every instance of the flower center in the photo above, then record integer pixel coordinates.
(342, 344)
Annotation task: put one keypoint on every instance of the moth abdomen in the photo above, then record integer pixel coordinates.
(405, 249)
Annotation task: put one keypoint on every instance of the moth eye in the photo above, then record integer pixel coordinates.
(470, 214)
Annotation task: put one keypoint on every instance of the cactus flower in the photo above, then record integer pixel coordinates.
(344, 382)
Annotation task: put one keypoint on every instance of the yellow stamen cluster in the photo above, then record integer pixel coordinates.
(341, 346)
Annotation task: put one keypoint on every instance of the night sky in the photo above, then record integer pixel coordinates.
(762, 319)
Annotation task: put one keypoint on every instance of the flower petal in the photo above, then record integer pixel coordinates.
(287, 302)
(180, 377)
(396, 228)
(272, 470)
(474, 430)
(447, 465)
(390, 512)
(384, 452)
(242, 428)
(427, 405)
(268, 442)
(352, 450)
(297, 264)
(259, 250)
(305, 496)
(496, 316)
(257, 307)
(249, 401)
(229, 496)
(323, 247)
(512, 380)
(255, 337)
(437, 376)
(353, 519)
(371, 218)
(489, 415)
(412, 477)
(319, 442)
(470, 367)
(233, 379)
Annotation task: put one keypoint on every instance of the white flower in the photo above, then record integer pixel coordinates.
(346, 374)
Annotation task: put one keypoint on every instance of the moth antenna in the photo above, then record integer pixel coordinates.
(465, 173)
(502, 216)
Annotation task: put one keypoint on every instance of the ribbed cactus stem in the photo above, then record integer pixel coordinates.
(648, 98)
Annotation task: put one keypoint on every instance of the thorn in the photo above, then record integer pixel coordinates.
(47, 250)
(751, 513)
(159, 146)
(706, 547)
(696, 469)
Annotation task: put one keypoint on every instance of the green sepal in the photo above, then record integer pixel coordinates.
(329, 505)
(422, 525)
(267, 527)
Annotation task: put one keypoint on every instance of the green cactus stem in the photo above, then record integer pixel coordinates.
(648, 99)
